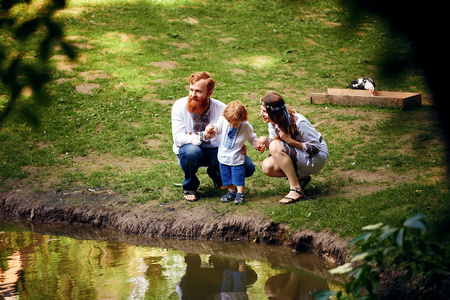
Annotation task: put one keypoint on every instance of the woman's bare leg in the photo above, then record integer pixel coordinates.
(282, 164)
(271, 169)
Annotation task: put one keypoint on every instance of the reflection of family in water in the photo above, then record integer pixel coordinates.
(228, 279)
(225, 279)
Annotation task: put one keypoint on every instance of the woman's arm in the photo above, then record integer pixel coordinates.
(288, 139)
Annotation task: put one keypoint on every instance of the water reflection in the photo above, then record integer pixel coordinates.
(53, 262)
(292, 285)
(223, 278)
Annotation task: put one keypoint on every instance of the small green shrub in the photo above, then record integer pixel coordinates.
(420, 266)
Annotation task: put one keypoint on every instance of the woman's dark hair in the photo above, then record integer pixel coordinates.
(276, 109)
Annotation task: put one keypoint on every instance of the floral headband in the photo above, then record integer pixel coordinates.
(272, 108)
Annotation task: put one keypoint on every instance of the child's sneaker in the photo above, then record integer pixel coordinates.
(228, 197)
(239, 198)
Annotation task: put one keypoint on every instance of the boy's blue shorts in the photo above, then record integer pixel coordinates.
(232, 175)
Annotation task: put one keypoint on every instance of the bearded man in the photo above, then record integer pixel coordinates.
(192, 145)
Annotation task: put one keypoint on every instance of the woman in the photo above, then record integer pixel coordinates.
(296, 148)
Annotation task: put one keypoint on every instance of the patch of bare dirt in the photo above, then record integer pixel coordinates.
(63, 80)
(255, 61)
(180, 45)
(66, 66)
(82, 46)
(162, 82)
(165, 64)
(239, 71)
(226, 40)
(93, 74)
(87, 88)
(191, 21)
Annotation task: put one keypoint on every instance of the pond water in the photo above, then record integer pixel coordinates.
(73, 262)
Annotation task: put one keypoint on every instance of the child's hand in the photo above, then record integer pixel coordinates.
(210, 131)
(261, 144)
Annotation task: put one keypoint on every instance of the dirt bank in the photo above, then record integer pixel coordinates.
(177, 219)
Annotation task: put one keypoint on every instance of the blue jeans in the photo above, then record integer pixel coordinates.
(193, 157)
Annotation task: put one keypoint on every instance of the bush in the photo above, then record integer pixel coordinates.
(421, 268)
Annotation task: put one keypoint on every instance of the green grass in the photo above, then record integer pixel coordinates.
(250, 48)
(390, 206)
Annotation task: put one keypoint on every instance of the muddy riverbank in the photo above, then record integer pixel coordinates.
(106, 209)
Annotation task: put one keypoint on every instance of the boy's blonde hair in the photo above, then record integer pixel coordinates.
(235, 112)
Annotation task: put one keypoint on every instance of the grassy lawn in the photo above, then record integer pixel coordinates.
(109, 122)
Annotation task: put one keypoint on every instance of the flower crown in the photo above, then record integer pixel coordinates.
(272, 108)
(283, 107)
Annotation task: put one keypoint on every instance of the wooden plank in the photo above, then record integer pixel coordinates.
(361, 97)
(412, 101)
(349, 92)
(367, 93)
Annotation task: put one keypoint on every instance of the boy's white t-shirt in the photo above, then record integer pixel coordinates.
(232, 140)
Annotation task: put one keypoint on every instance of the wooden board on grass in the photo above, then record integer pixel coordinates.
(361, 97)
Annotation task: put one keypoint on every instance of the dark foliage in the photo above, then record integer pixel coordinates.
(24, 60)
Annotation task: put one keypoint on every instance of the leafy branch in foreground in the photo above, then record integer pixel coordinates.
(22, 67)
(421, 268)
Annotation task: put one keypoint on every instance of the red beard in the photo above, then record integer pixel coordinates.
(197, 106)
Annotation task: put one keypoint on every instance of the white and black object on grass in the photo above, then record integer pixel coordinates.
(363, 84)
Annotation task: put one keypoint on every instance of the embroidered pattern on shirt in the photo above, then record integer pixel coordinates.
(200, 123)
(230, 137)
(311, 151)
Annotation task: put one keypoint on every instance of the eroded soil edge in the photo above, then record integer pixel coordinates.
(106, 209)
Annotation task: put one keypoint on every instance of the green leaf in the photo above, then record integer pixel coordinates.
(364, 236)
(388, 233)
(415, 222)
(400, 237)
(356, 273)
(388, 250)
(345, 268)
(324, 294)
(372, 227)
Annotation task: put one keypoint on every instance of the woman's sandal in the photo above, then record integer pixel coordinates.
(191, 193)
(293, 200)
(239, 198)
(228, 197)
